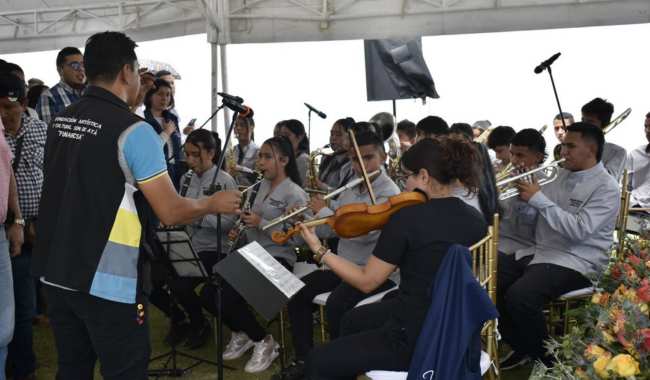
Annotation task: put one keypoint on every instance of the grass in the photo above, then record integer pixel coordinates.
(46, 356)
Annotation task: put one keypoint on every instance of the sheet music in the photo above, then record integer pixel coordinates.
(270, 268)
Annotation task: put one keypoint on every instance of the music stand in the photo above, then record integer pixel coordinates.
(184, 262)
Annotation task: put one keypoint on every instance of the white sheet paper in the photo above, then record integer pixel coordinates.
(278, 275)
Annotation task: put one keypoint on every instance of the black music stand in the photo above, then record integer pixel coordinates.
(184, 263)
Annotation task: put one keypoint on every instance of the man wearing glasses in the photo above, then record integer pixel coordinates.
(70, 65)
(560, 130)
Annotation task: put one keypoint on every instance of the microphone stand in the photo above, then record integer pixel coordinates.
(213, 188)
(309, 130)
(557, 99)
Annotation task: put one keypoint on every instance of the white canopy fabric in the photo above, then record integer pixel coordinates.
(33, 25)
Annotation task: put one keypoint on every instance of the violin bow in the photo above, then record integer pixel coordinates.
(366, 179)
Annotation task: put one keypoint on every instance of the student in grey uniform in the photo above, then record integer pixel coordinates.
(245, 151)
(357, 250)
(518, 218)
(599, 113)
(202, 149)
(574, 232)
(638, 166)
(331, 173)
(276, 194)
(294, 130)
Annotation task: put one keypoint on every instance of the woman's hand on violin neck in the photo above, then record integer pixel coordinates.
(317, 203)
(310, 237)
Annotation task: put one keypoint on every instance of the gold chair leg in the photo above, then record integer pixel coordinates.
(283, 336)
(322, 322)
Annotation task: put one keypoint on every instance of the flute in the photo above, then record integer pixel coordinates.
(334, 193)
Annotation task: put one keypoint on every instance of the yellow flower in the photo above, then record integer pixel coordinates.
(581, 374)
(600, 366)
(594, 351)
(644, 308)
(608, 337)
(624, 365)
(596, 298)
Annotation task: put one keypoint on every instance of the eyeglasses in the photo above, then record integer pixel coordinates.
(76, 66)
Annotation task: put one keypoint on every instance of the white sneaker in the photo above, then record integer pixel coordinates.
(238, 345)
(264, 353)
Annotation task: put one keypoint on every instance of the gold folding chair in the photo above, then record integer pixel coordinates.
(484, 266)
(621, 221)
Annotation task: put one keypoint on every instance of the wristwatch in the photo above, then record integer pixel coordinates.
(19, 221)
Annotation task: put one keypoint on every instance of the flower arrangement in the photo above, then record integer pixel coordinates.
(613, 338)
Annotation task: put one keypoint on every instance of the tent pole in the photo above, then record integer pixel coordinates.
(224, 83)
(214, 82)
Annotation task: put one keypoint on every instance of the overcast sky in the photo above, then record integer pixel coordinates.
(478, 76)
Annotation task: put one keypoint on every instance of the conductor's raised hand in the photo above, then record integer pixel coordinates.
(225, 202)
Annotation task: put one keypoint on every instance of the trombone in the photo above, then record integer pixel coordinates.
(550, 170)
(618, 120)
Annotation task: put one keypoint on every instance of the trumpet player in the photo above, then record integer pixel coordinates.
(518, 218)
(573, 234)
(599, 113)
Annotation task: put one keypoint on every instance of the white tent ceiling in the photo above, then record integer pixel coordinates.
(32, 25)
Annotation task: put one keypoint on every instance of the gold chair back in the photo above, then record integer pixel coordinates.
(484, 266)
(621, 222)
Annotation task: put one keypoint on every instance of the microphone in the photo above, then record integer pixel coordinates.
(235, 99)
(546, 64)
(319, 113)
(235, 106)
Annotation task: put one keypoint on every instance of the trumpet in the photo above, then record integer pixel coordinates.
(618, 120)
(550, 170)
(505, 172)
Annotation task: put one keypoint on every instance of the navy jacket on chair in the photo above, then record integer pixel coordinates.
(449, 344)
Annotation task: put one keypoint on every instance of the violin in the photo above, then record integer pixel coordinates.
(357, 219)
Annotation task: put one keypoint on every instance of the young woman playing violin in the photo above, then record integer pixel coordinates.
(356, 250)
(382, 336)
(276, 194)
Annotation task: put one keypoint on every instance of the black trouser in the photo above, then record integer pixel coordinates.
(522, 292)
(236, 313)
(182, 291)
(87, 328)
(343, 298)
(21, 351)
(366, 343)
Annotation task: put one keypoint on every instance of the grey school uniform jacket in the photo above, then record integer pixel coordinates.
(270, 205)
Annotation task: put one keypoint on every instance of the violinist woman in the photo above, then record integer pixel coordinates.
(383, 335)
(294, 130)
(278, 191)
(355, 250)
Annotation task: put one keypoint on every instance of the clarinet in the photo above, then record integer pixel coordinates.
(187, 178)
(235, 233)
